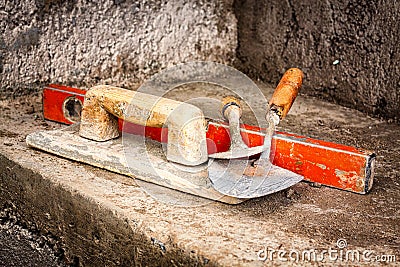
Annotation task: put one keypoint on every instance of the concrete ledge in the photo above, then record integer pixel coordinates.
(103, 218)
(91, 234)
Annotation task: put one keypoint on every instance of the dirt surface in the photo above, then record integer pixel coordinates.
(17, 251)
(21, 247)
(303, 217)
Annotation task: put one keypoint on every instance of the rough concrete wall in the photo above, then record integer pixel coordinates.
(348, 50)
(83, 43)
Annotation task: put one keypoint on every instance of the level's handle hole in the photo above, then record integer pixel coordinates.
(72, 108)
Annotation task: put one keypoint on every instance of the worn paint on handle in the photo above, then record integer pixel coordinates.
(286, 92)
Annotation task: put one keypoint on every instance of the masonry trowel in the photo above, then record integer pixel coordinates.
(233, 172)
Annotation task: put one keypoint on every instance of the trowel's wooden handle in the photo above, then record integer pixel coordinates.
(230, 103)
(186, 124)
(286, 92)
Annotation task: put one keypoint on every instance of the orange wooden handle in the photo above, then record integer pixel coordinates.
(286, 92)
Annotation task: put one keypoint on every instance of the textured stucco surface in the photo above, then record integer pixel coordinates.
(83, 43)
(348, 50)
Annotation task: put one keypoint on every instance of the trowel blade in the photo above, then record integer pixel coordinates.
(238, 153)
(236, 178)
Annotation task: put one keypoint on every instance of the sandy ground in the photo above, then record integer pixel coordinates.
(20, 247)
(302, 217)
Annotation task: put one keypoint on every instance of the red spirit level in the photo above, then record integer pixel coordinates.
(322, 162)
